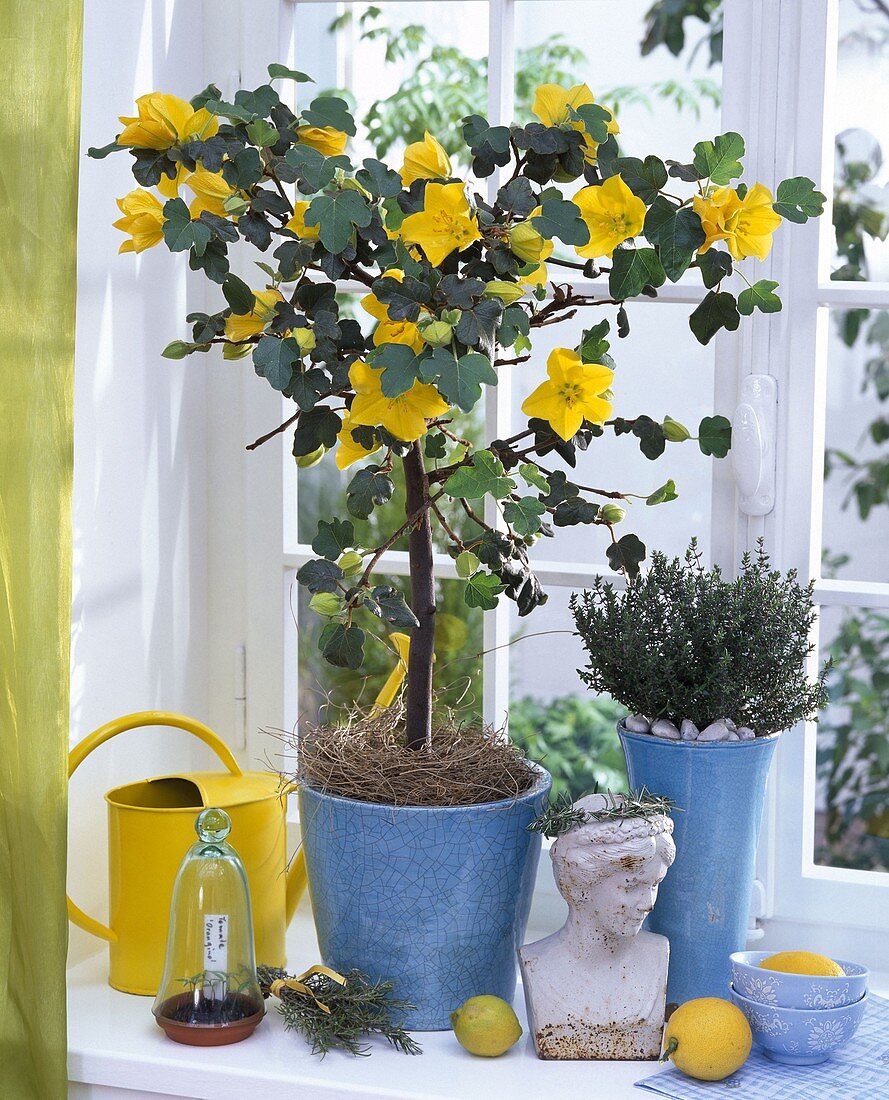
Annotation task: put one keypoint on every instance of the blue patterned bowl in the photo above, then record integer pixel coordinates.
(800, 1036)
(772, 987)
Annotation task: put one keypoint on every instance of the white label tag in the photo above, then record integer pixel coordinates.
(216, 941)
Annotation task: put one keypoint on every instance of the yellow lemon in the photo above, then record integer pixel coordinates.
(707, 1038)
(486, 1026)
(803, 962)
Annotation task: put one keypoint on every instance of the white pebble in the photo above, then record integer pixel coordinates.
(745, 733)
(637, 723)
(733, 737)
(716, 731)
(663, 727)
(730, 725)
(688, 730)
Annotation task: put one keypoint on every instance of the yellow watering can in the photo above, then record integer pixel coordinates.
(151, 826)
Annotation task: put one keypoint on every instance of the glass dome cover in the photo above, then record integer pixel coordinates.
(209, 994)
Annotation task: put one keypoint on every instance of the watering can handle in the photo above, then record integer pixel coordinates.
(111, 729)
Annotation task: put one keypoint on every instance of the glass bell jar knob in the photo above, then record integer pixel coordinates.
(209, 994)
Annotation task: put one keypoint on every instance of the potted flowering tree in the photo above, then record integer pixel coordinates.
(414, 826)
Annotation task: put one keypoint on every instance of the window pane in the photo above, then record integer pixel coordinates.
(660, 370)
(326, 693)
(664, 104)
(861, 199)
(555, 718)
(851, 814)
(856, 487)
(404, 68)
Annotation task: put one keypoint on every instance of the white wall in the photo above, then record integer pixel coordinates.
(139, 621)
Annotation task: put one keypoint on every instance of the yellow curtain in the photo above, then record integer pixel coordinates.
(39, 141)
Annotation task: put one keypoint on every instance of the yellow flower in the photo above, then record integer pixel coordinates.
(210, 191)
(443, 225)
(164, 121)
(297, 223)
(239, 326)
(551, 104)
(143, 219)
(169, 188)
(387, 330)
(527, 243)
(537, 277)
(572, 393)
(350, 450)
(325, 139)
(612, 214)
(404, 416)
(746, 225)
(425, 160)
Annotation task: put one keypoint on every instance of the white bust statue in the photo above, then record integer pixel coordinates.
(597, 987)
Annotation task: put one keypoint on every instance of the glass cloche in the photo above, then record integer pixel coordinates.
(209, 994)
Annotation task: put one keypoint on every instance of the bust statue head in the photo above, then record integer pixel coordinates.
(609, 870)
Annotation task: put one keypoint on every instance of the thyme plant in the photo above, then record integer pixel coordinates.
(457, 283)
(683, 642)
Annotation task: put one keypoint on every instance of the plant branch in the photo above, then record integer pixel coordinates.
(275, 431)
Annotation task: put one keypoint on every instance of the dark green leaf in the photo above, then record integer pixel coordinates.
(317, 427)
(333, 538)
(759, 296)
(313, 169)
(524, 515)
(715, 436)
(238, 294)
(632, 269)
(379, 179)
(478, 325)
(517, 198)
(399, 365)
(402, 299)
(320, 575)
(273, 360)
(150, 164)
(180, 232)
(393, 608)
(330, 111)
(717, 310)
(230, 110)
(342, 646)
(460, 381)
(797, 200)
(257, 230)
(222, 229)
(644, 178)
(665, 493)
(561, 218)
(281, 72)
(461, 293)
(482, 590)
(595, 119)
(213, 261)
(530, 473)
(262, 133)
(105, 150)
(306, 386)
(336, 215)
(677, 233)
(626, 555)
(484, 476)
(715, 266)
(720, 160)
(575, 510)
(368, 488)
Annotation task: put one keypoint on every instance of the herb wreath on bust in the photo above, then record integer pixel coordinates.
(456, 286)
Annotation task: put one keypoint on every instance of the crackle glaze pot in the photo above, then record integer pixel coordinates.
(433, 899)
(703, 904)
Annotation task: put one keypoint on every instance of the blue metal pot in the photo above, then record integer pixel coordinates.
(433, 899)
(703, 904)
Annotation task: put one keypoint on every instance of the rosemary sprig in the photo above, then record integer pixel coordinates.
(562, 816)
(357, 1010)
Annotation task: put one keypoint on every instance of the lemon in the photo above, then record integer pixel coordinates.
(707, 1038)
(486, 1026)
(803, 962)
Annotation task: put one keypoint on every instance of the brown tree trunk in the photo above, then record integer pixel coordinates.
(419, 667)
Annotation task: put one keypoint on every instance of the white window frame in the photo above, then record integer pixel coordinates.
(777, 82)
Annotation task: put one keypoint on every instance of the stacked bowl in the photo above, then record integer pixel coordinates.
(797, 1018)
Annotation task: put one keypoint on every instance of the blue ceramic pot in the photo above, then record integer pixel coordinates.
(703, 905)
(433, 899)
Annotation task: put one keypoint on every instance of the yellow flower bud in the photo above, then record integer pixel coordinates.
(529, 245)
(350, 562)
(347, 183)
(425, 160)
(612, 513)
(305, 338)
(327, 604)
(437, 334)
(506, 292)
(674, 431)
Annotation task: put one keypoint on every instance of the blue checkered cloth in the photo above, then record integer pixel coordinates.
(860, 1071)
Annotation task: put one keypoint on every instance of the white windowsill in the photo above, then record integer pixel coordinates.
(117, 1052)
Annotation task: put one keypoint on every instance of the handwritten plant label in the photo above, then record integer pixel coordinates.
(216, 941)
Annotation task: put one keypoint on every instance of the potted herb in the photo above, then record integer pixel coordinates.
(711, 671)
(414, 824)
